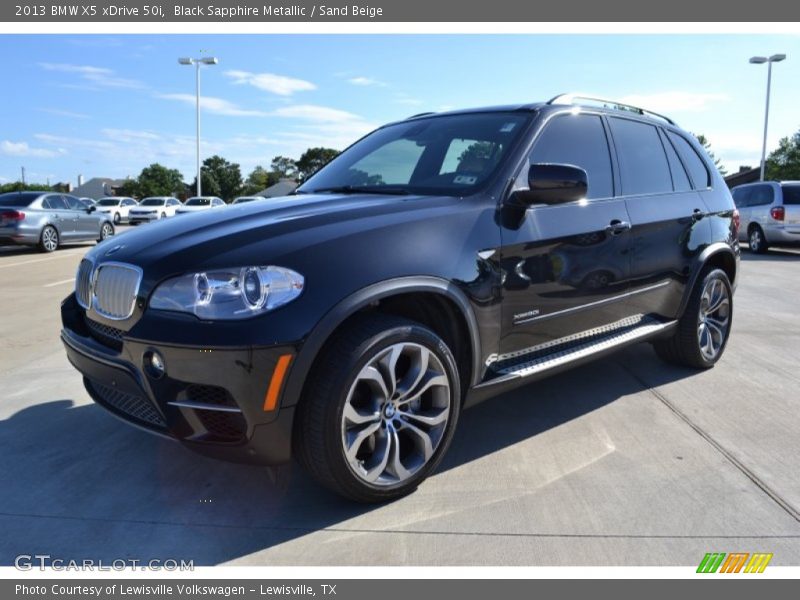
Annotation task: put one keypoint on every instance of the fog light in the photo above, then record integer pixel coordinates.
(154, 364)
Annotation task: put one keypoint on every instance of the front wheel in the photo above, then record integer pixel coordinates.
(106, 231)
(163, 215)
(380, 409)
(117, 218)
(703, 330)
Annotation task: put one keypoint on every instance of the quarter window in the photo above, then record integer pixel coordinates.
(741, 197)
(680, 181)
(695, 165)
(643, 163)
(57, 202)
(761, 195)
(578, 140)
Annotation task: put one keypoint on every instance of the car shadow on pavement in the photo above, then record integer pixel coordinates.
(78, 484)
(773, 254)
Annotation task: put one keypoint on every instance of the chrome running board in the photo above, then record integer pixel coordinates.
(563, 351)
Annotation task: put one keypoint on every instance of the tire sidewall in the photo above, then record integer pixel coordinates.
(366, 352)
(695, 308)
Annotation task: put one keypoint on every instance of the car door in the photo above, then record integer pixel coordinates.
(62, 218)
(172, 206)
(566, 266)
(669, 228)
(86, 224)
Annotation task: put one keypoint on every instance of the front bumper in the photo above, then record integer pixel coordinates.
(210, 399)
(136, 218)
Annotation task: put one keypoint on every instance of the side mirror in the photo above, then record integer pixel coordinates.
(91, 209)
(552, 184)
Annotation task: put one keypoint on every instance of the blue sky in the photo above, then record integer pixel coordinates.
(110, 105)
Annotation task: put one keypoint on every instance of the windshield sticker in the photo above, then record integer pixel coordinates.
(465, 179)
(508, 127)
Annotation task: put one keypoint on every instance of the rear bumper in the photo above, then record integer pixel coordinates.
(211, 400)
(19, 235)
(782, 234)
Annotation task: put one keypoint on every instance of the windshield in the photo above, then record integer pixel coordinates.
(448, 155)
(152, 202)
(791, 194)
(18, 199)
(108, 202)
(244, 199)
(198, 202)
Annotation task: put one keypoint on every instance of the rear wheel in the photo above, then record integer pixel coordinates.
(380, 409)
(704, 328)
(48, 240)
(756, 240)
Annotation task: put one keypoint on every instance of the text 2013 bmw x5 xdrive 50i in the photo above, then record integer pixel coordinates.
(434, 263)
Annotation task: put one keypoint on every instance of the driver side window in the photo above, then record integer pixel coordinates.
(579, 140)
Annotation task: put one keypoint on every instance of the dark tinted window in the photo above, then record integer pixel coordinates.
(791, 194)
(18, 199)
(74, 203)
(761, 195)
(695, 164)
(741, 197)
(578, 140)
(643, 164)
(680, 181)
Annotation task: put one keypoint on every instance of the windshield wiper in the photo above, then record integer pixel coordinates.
(351, 189)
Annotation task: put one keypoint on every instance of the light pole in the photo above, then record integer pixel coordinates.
(760, 60)
(197, 62)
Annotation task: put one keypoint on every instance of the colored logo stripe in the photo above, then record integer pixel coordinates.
(711, 562)
(758, 563)
(717, 561)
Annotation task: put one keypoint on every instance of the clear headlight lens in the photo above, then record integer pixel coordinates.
(236, 293)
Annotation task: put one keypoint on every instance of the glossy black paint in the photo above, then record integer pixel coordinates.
(518, 277)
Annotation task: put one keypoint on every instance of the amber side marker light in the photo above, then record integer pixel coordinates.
(278, 375)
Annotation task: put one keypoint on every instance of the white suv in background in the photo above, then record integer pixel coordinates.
(116, 206)
(769, 212)
(198, 203)
(154, 208)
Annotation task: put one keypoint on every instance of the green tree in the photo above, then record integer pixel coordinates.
(259, 179)
(130, 187)
(283, 166)
(220, 178)
(784, 162)
(707, 147)
(313, 160)
(158, 180)
(18, 186)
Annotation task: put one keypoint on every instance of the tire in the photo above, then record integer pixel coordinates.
(117, 219)
(702, 335)
(756, 240)
(163, 215)
(344, 409)
(48, 239)
(106, 231)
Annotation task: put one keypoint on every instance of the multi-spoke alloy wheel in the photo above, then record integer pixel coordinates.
(379, 409)
(49, 239)
(395, 414)
(713, 318)
(106, 231)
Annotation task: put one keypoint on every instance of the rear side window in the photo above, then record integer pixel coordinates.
(791, 194)
(694, 164)
(578, 140)
(74, 203)
(57, 202)
(761, 195)
(741, 197)
(643, 163)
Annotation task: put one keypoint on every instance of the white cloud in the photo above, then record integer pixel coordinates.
(269, 82)
(312, 112)
(129, 135)
(366, 81)
(211, 104)
(100, 76)
(24, 149)
(64, 113)
(675, 101)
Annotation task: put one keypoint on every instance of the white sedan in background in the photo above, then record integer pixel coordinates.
(117, 206)
(198, 203)
(154, 208)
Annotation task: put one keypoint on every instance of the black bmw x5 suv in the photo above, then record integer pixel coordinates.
(436, 262)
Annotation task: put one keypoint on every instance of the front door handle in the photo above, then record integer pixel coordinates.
(698, 214)
(616, 227)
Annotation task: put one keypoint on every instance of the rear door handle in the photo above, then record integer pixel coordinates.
(616, 227)
(698, 214)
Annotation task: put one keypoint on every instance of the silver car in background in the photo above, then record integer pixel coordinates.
(49, 219)
(769, 212)
(153, 208)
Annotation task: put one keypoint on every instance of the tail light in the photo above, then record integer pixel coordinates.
(736, 221)
(12, 215)
(777, 212)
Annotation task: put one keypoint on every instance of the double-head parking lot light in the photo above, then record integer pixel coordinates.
(760, 60)
(197, 62)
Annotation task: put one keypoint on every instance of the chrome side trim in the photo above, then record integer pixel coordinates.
(204, 406)
(595, 304)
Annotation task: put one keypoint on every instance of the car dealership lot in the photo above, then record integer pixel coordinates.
(623, 461)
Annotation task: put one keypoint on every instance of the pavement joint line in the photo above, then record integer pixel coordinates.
(38, 260)
(62, 282)
(746, 471)
(511, 534)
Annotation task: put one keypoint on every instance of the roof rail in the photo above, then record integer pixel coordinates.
(422, 114)
(612, 104)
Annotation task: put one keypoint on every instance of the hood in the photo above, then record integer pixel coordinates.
(194, 208)
(258, 232)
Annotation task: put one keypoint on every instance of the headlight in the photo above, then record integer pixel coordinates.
(237, 293)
